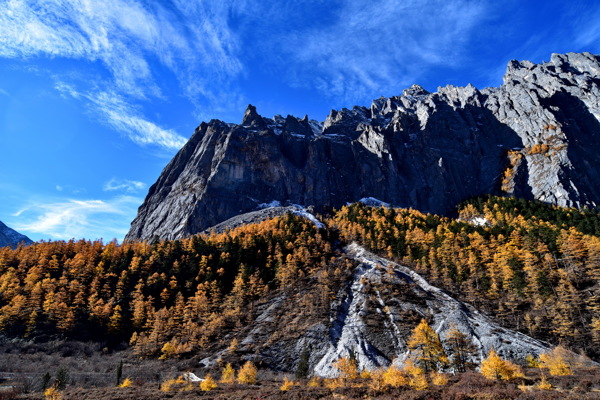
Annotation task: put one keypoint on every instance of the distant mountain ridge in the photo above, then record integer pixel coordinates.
(534, 137)
(10, 237)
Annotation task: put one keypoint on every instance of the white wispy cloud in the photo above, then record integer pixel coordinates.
(135, 42)
(69, 218)
(122, 116)
(368, 48)
(125, 185)
(588, 28)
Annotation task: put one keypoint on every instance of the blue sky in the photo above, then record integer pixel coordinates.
(97, 96)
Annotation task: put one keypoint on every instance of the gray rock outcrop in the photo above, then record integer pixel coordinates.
(536, 136)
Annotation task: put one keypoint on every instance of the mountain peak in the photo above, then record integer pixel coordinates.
(252, 119)
(12, 238)
(533, 137)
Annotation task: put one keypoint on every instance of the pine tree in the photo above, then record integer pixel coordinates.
(302, 369)
(426, 348)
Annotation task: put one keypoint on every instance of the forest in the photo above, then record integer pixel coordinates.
(534, 267)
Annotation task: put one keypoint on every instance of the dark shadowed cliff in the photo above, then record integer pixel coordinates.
(10, 237)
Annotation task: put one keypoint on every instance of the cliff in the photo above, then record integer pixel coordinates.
(534, 137)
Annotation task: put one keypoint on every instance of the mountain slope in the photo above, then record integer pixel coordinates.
(10, 237)
(533, 137)
(371, 318)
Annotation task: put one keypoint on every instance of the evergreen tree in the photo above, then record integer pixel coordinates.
(302, 369)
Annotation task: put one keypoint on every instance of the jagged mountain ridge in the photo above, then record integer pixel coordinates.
(10, 237)
(533, 137)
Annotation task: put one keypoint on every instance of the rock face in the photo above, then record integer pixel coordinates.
(535, 137)
(10, 237)
(370, 318)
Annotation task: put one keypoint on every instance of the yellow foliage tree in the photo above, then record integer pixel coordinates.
(233, 346)
(228, 374)
(377, 380)
(494, 367)
(168, 350)
(543, 384)
(315, 381)
(426, 348)
(416, 376)
(347, 367)
(556, 362)
(176, 384)
(53, 393)
(247, 374)
(439, 379)
(208, 384)
(461, 348)
(394, 377)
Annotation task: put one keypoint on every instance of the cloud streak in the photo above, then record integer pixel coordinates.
(68, 218)
(127, 37)
(125, 185)
(123, 117)
(129, 47)
(372, 47)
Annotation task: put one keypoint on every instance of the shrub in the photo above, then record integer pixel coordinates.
(287, 385)
(247, 374)
(208, 384)
(439, 379)
(176, 384)
(539, 149)
(126, 383)
(394, 377)
(52, 393)
(555, 362)
(494, 367)
(315, 381)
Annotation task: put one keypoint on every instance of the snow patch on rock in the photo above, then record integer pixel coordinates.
(373, 202)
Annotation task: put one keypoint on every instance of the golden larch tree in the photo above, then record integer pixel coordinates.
(426, 348)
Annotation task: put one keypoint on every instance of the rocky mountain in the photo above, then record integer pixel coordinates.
(532, 137)
(10, 237)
